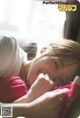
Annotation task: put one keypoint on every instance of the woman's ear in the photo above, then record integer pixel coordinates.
(43, 50)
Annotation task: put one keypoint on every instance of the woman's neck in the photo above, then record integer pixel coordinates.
(24, 70)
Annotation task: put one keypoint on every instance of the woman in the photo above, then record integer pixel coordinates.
(60, 62)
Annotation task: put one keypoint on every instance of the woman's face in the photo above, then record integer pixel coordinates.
(56, 70)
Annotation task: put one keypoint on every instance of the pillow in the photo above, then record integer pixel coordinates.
(12, 88)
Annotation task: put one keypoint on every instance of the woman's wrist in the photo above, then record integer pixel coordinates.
(20, 109)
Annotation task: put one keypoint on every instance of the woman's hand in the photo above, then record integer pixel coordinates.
(41, 85)
(48, 105)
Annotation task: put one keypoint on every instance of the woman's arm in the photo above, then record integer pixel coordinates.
(41, 85)
(46, 106)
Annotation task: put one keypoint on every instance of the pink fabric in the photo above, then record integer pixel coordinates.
(12, 88)
(71, 96)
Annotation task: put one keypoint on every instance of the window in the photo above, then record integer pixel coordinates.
(31, 20)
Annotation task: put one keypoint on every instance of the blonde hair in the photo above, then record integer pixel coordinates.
(66, 50)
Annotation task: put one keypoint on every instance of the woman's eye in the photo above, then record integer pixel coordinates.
(58, 63)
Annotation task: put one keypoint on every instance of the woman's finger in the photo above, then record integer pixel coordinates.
(43, 83)
(59, 93)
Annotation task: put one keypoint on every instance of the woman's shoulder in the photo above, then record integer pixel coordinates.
(7, 41)
(8, 49)
(8, 45)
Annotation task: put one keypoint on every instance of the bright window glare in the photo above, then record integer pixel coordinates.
(19, 10)
(47, 23)
(2, 10)
(31, 19)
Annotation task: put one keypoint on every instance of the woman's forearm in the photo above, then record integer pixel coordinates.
(19, 110)
(39, 87)
(29, 97)
(25, 99)
(46, 106)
